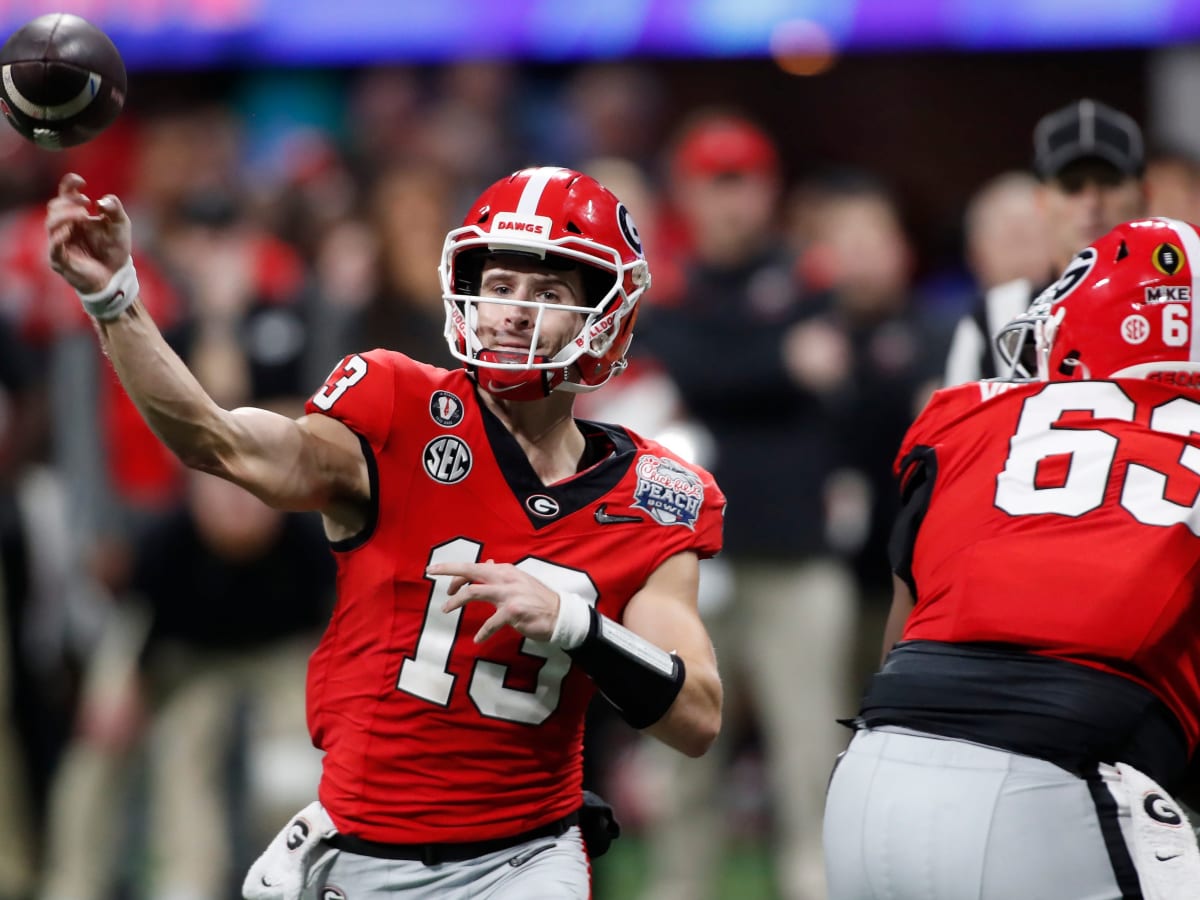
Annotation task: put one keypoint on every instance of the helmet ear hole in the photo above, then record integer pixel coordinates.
(1122, 251)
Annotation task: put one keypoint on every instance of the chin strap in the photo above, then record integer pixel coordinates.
(520, 384)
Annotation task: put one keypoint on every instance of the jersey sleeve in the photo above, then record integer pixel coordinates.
(918, 473)
(360, 392)
(710, 525)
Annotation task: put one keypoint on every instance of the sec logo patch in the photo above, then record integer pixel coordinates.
(447, 459)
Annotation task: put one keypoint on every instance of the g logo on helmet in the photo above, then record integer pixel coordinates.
(628, 229)
(332, 893)
(1077, 270)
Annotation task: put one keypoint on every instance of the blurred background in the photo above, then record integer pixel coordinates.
(823, 187)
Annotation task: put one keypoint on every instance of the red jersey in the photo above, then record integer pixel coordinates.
(429, 737)
(1064, 518)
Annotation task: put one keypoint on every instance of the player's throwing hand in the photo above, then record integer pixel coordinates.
(86, 248)
(520, 599)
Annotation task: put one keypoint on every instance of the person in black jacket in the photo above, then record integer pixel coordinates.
(756, 367)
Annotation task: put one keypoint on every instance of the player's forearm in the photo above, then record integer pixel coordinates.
(692, 723)
(170, 399)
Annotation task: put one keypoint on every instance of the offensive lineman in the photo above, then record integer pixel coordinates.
(488, 544)
(1042, 659)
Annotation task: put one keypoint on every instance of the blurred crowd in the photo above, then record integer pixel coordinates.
(155, 625)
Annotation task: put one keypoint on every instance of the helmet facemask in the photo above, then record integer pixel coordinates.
(1024, 343)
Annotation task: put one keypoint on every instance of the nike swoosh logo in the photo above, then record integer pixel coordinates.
(1162, 858)
(603, 518)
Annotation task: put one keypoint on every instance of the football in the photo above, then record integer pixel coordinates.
(62, 81)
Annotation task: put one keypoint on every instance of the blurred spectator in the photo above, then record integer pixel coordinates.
(36, 576)
(384, 109)
(784, 632)
(228, 598)
(1090, 159)
(247, 331)
(861, 253)
(1173, 185)
(611, 109)
(467, 127)
(1005, 234)
(398, 302)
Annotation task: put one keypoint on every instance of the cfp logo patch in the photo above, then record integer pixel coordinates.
(445, 408)
(297, 834)
(670, 492)
(1167, 258)
(447, 459)
(1135, 329)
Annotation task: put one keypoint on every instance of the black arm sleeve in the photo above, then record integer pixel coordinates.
(640, 680)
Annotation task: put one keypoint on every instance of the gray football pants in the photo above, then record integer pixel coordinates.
(542, 869)
(917, 817)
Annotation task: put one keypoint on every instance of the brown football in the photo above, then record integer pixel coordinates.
(62, 81)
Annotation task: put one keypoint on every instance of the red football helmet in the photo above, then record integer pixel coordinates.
(1121, 309)
(572, 219)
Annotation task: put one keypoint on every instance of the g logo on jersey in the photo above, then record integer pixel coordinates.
(297, 834)
(445, 409)
(542, 505)
(447, 459)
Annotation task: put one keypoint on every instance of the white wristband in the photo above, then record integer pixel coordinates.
(115, 297)
(573, 622)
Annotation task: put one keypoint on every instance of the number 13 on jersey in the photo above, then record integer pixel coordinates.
(426, 674)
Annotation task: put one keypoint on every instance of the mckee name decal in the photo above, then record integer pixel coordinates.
(670, 492)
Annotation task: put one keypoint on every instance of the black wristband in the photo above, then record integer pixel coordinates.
(640, 680)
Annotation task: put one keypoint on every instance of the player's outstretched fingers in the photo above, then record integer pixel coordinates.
(71, 188)
(111, 209)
